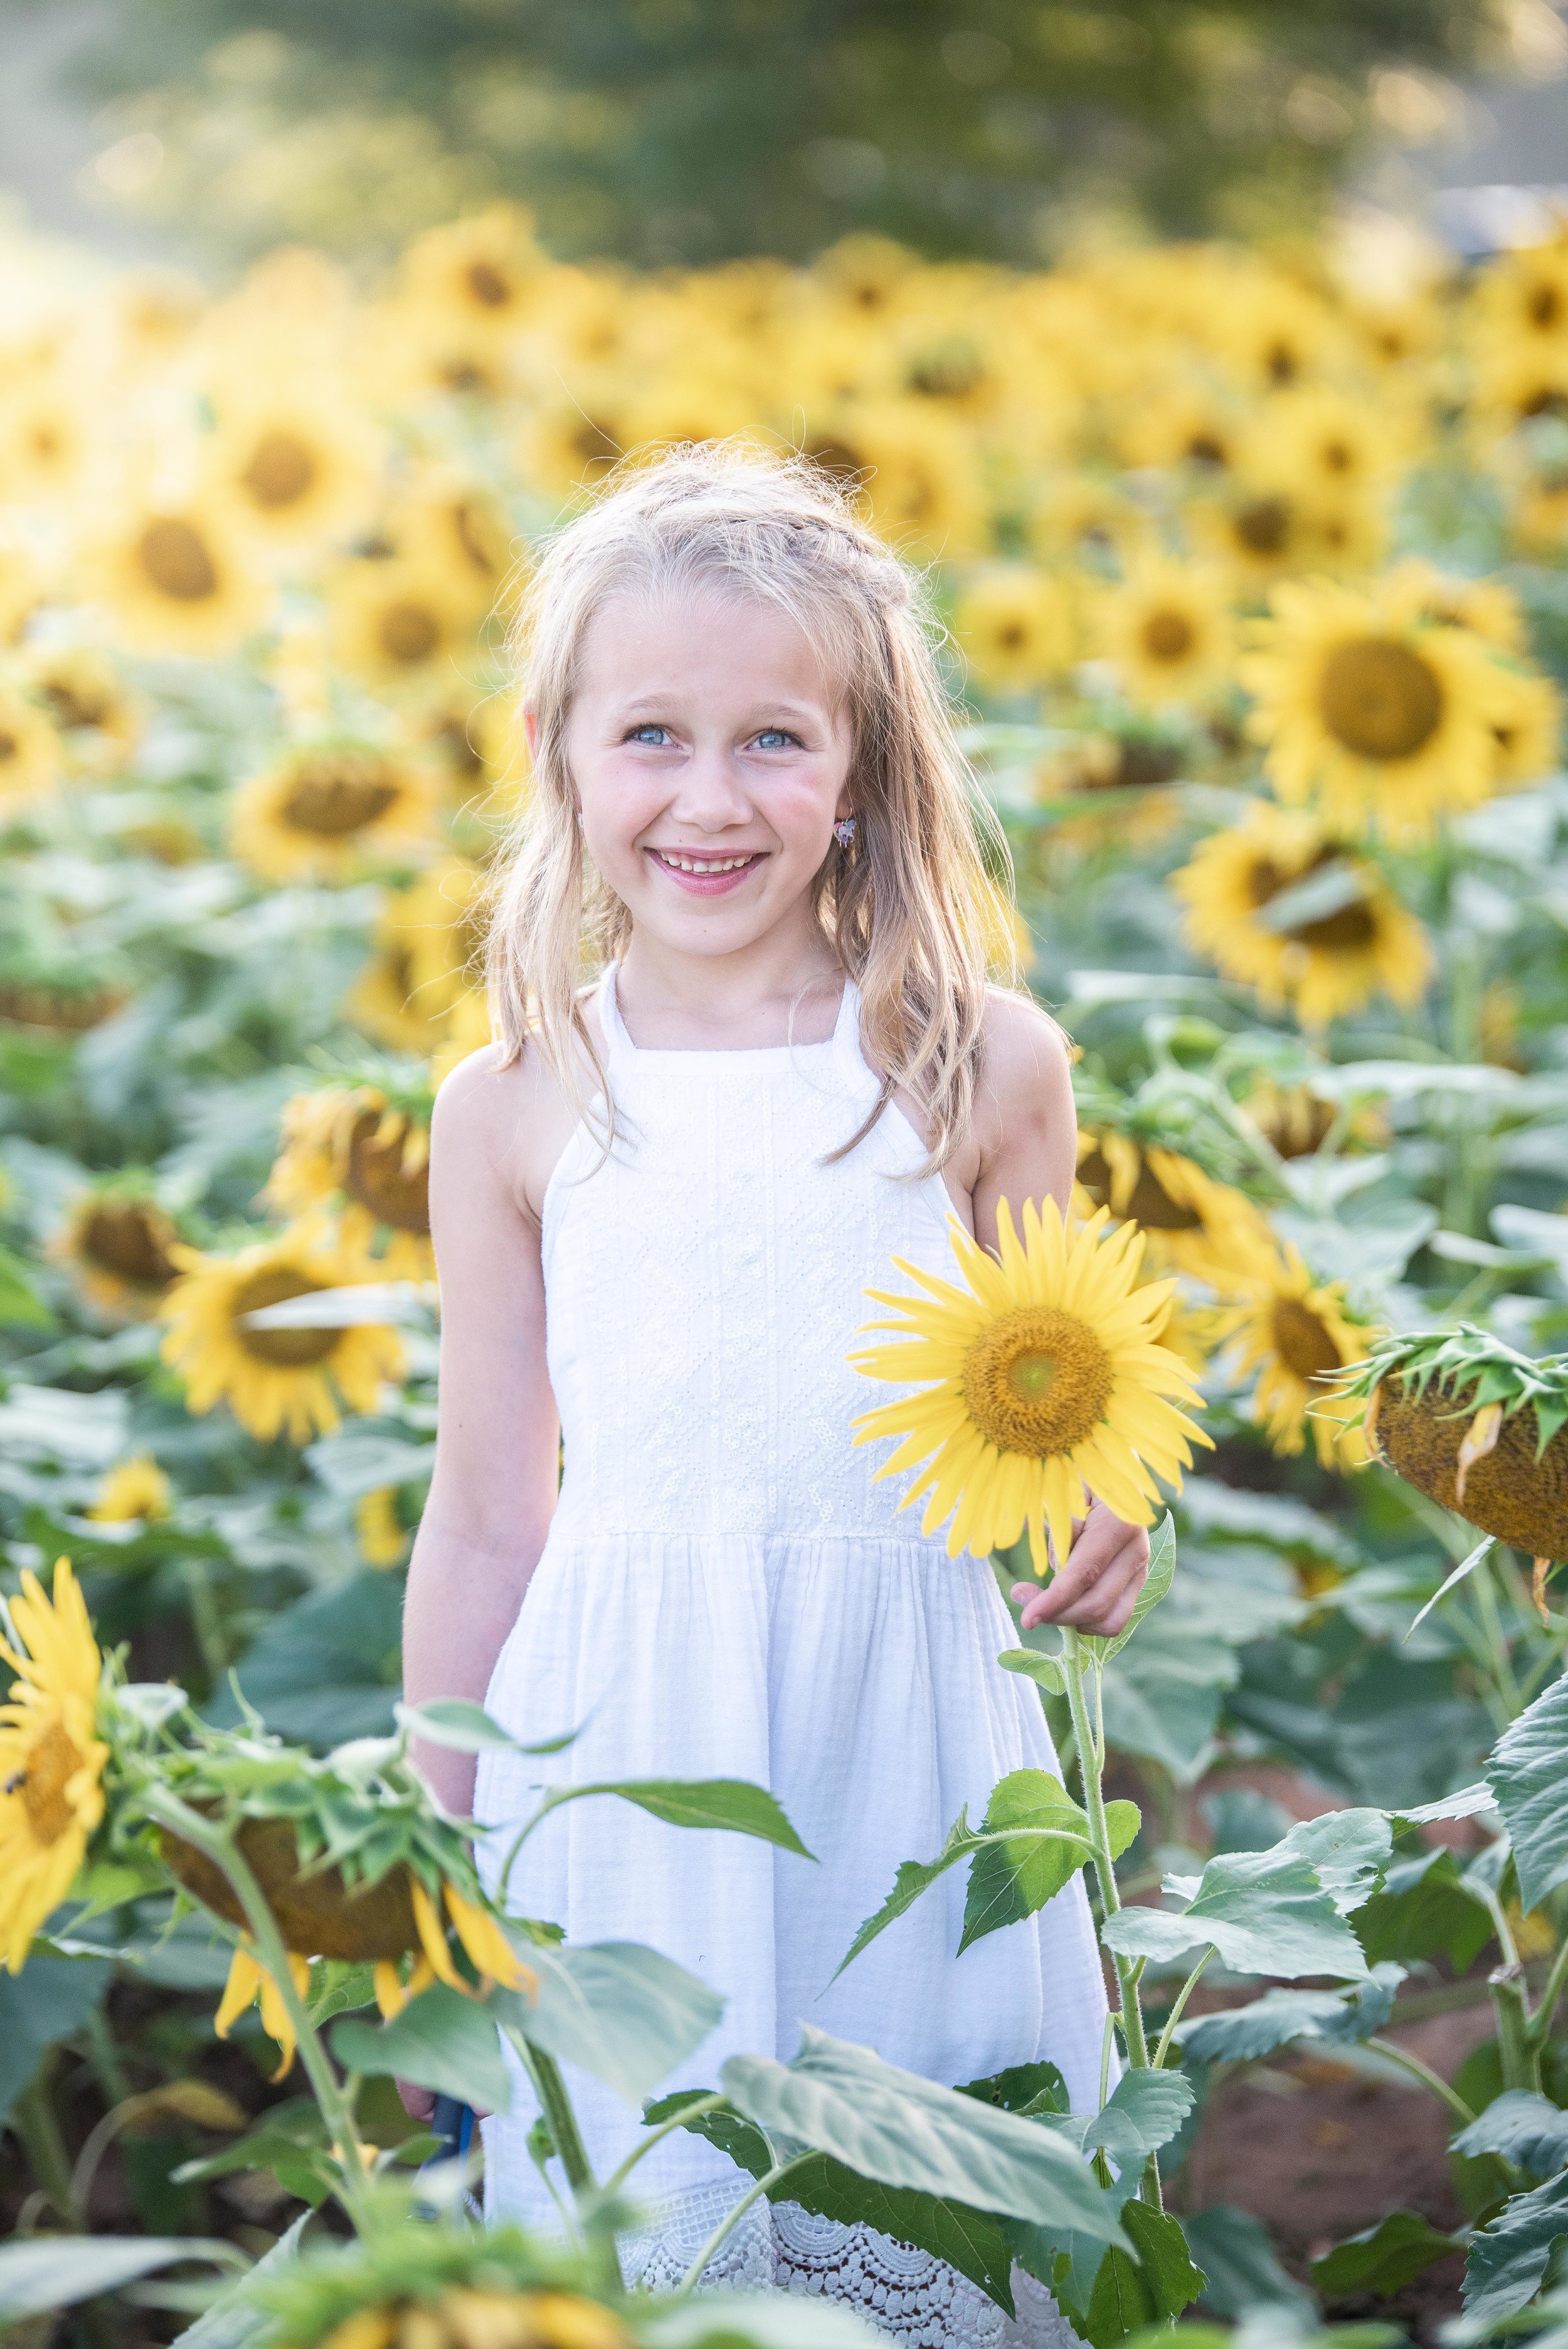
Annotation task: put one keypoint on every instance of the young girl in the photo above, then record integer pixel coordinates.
(657, 1206)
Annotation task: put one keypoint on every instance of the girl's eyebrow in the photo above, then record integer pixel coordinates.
(625, 712)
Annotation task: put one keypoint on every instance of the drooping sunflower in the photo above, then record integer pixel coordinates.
(326, 810)
(135, 1491)
(284, 1380)
(1296, 1334)
(30, 761)
(1169, 632)
(51, 1758)
(1326, 956)
(119, 1245)
(1386, 718)
(1041, 1386)
(355, 1148)
(177, 579)
(1016, 628)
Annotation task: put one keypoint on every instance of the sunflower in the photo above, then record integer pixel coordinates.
(1090, 521)
(1523, 295)
(1327, 953)
(1386, 719)
(51, 1760)
(328, 809)
(1259, 530)
(1191, 426)
(176, 579)
(482, 274)
(1326, 442)
(248, 1982)
(1178, 1208)
(351, 1144)
(30, 762)
(1526, 725)
(285, 1380)
(400, 620)
(97, 718)
(1169, 632)
(294, 468)
(567, 446)
(442, 922)
(119, 1245)
(383, 1000)
(21, 589)
(1485, 606)
(1016, 628)
(922, 486)
(1041, 1386)
(1296, 1333)
(135, 1491)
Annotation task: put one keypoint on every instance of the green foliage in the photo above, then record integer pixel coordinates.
(1383, 2258)
(1526, 1774)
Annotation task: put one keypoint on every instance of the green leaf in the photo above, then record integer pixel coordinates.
(726, 1803)
(1044, 1671)
(1145, 2110)
(1382, 2258)
(1281, 2018)
(1350, 1851)
(329, 1668)
(1526, 1774)
(236, 2316)
(466, 1728)
(441, 2041)
(1240, 2269)
(58, 2270)
(1510, 2257)
(21, 1306)
(1041, 1839)
(1022, 2088)
(1451, 1582)
(1162, 1698)
(1130, 2292)
(622, 2011)
(913, 1877)
(1425, 1911)
(971, 2240)
(290, 2143)
(50, 1998)
(1157, 1585)
(1526, 2129)
(1266, 1912)
(902, 2130)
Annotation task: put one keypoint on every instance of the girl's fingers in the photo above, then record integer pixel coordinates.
(1097, 1587)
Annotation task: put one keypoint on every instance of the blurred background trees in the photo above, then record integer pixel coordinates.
(687, 132)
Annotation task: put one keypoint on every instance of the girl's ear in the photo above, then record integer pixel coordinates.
(531, 728)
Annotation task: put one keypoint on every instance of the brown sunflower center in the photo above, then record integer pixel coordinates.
(408, 632)
(1380, 698)
(1544, 307)
(1206, 448)
(1168, 636)
(377, 1178)
(280, 472)
(50, 1768)
(1037, 1381)
(73, 702)
(175, 557)
(337, 795)
(1012, 637)
(489, 286)
(1263, 525)
(282, 1348)
(10, 747)
(1149, 1203)
(1300, 1340)
(131, 1240)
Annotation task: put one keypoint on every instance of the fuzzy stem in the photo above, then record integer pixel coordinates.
(272, 1953)
(1174, 2017)
(1090, 1768)
(1517, 2045)
(721, 2233)
(704, 2104)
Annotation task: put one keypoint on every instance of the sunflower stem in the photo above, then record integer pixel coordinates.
(273, 1955)
(1517, 2043)
(35, 2122)
(1552, 1990)
(1090, 1772)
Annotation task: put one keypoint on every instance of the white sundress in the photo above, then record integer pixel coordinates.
(725, 1592)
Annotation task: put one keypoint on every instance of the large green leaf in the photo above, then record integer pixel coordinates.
(1281, 2018)
(902, 2130)
(289, 2144)
(1130, 2292)
(58, 2270)
(1265, 1912)
(441, 2040)
(1162, 1697)
(48, 1999)
(1238, 2266)
(1383, 2258)
(1350, 1851)
(1528, 1773)
(1144, 2111)
(729, 1803)
(1425, 1911)
(623, 2013)
(1528, 2130)
(1510, 2257)
(328, 1667)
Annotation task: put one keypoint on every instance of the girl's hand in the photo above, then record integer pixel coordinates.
(419, 2104)
(1095, 1588)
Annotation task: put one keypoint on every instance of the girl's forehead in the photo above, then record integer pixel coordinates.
(701, 640)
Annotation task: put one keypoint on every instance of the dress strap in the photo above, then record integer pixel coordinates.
(619, 1049)
(848, 1055)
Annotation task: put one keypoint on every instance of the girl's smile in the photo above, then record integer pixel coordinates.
(703, 874)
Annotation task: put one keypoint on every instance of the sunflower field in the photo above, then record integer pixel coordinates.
(1254, 568)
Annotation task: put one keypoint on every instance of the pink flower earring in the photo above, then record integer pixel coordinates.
(845, 831)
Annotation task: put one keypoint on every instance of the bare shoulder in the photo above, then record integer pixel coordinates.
(1024, 1059)
(509, 1118)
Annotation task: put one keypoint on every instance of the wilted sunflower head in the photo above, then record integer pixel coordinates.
(275, 1379)
(1040, 1378)
(51, 1758)
(328, 809)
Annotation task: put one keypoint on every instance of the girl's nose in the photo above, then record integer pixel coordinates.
(712, 793)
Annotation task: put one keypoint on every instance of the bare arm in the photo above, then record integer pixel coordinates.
(493, 1490)
(1027, 1132)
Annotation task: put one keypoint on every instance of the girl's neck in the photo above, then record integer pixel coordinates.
(774, 993)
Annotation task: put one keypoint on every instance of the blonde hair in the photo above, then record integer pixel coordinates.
(910, 908)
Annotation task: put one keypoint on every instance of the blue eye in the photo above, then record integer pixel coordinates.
(773, 736)
(639, 733)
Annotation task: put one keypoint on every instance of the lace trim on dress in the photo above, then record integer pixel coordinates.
(912, 2296)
